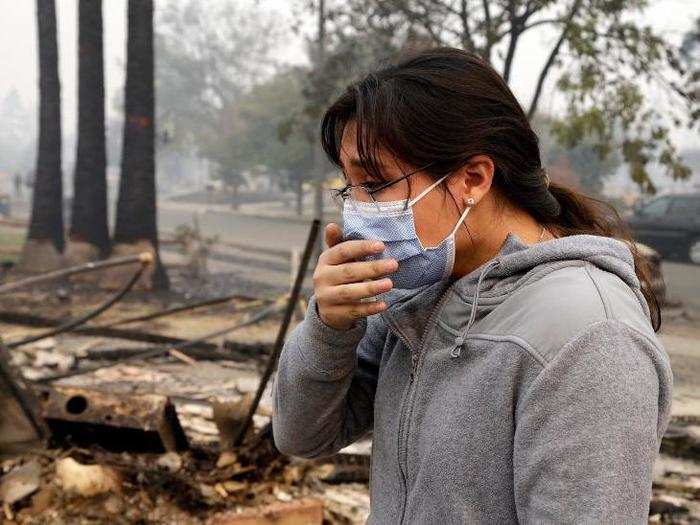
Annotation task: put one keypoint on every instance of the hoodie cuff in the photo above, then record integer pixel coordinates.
(328, 349)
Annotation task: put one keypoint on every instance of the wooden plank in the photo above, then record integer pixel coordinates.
(306, 511)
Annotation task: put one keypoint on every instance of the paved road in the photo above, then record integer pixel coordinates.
(259, 232)
(257, 274)
(683, 282)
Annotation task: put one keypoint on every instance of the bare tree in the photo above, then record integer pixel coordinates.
(600, 60)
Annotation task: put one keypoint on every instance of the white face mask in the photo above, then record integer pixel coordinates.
(393, 223)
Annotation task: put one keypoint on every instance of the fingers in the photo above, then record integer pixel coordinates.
(347, 294)
(339, 315)
(357, 271)
(351, 250)
(334, 234)
(343, 279)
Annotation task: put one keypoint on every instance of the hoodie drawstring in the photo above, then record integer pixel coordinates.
(459, 340)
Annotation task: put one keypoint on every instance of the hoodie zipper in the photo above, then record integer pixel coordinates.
(407, 401)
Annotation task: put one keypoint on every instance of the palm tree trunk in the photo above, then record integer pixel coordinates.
(89, 234)
(136, 207)
(44, 244)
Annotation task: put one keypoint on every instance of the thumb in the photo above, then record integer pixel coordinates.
(334, 234)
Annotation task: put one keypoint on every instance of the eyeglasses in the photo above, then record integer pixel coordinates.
(366, 193)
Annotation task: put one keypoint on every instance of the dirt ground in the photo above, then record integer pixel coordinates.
(682, 342)
(680, 335)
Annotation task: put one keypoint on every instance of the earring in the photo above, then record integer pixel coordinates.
(469, 203)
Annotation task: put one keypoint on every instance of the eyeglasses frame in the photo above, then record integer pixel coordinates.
(344, 191)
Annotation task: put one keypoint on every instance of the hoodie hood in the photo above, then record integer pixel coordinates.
(466, 300)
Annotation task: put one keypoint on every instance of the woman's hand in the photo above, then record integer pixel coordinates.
(341, 281)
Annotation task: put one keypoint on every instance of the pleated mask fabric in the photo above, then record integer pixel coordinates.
(393, 223)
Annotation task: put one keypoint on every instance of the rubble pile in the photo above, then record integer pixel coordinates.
(81, 486)
(153, 439)
(676, 488)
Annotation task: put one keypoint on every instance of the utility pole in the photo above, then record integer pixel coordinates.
(317, 152)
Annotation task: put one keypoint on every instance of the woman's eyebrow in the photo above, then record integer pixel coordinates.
(358, 163)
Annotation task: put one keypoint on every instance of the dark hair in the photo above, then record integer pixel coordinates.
(443, 106)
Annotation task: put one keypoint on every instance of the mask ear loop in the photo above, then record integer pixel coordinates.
(470, 204)
(425, 191)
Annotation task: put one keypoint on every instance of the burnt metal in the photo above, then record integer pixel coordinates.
(184, 308)
(143, 258)
(66, 327)
(231, 351)
(132, 335)
(158, 351)
(12, 384)
(143, 422)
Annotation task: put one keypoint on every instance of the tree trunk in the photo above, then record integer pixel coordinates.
(44, 244)
(136, 207)
(89, 216)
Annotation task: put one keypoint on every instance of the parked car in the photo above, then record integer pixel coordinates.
(671, 225)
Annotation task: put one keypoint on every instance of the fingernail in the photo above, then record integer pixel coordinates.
(378, 245)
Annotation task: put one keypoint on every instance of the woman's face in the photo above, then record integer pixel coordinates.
(435, 214)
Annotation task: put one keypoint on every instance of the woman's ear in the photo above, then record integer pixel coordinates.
(476, 177)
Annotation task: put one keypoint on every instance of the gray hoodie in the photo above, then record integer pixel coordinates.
(532, 390)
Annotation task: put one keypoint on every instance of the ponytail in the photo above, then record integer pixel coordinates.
(581, 214)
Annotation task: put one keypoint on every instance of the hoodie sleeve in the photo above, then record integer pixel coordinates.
(323, 394)
(589, 428)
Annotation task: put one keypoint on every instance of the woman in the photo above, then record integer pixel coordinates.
(487, 326)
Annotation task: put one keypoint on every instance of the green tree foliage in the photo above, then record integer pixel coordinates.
(690, 50)
(223, 93)
(589, 168)
(601, 59)
(267, 112)
(209, 56)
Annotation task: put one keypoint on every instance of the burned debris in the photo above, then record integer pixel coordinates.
(176, 430)
(131, 416)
